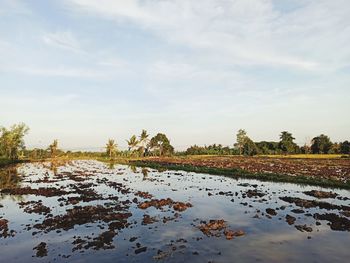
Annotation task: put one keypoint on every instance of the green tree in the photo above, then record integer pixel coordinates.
(11, 140)
(345, 147)
(53, 148)
(111, 148)
(321, 144)
(161, 145)
(249, 147)
(287, 144)
(132, 143)
(241, 137)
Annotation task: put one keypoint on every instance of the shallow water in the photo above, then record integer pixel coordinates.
(178, 237)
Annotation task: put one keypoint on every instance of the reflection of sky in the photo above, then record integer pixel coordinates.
(268, 240)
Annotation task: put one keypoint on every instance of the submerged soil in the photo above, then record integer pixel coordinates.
(86, 211)
(330, 169)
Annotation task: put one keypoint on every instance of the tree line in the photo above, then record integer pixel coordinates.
(244, 145)
(12, 146)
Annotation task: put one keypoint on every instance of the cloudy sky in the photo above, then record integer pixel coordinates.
(83, 71)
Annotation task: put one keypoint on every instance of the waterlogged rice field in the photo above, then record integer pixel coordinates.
(88, 211)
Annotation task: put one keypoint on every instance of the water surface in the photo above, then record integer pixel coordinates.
(87, 211)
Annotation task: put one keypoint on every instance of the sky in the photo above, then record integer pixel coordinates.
(83, 71)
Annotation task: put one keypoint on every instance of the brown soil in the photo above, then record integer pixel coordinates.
(336, 169)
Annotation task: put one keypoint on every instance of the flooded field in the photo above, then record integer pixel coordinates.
(87, 211)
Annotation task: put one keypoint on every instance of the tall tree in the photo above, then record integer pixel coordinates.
(143, 140)
(132, 143)
(321, 144)
(287, 144)
(111, 148)
(249, 147)
(11, 140)
(241, 137)
(53, 148)
(161, 144)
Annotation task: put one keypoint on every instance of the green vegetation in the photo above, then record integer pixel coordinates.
(287, 144)
(111, 148)
(12, 149)
(12, 142)
(321, 144)
(215, 149)
(161, 145)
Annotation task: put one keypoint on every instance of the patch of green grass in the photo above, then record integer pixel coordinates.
(239, 173)
(4, 162)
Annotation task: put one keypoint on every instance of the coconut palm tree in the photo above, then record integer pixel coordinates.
(111, 148)
(132, 143)
(143, 141)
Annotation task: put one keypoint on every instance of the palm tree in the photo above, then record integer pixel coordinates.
(143, 141)
(53, 148)
(132, 143)
(111, 148)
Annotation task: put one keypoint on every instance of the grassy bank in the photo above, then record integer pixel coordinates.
(6, 162)
(239, 173)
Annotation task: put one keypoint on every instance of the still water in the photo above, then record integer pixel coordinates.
(88, 211)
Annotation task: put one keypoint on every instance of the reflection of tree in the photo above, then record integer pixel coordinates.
(133, 168)
(145, 174)
(53, 168)
(111, 165)
(9, 178)
(55, 164)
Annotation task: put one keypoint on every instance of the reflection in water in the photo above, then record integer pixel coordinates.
(111, 165)
(133, 168)
(145, 173)
(9, 178)
(82, 212)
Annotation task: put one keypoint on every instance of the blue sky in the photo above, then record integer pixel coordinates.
(83, 71)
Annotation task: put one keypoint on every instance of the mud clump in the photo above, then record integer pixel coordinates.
(147, 220)
(230, 234)
(303, 228)
(82, 215)
(140, 250)
(271, 211)
(144, 195)
(179, 206)
(321, 194)
(41, 250)
(47, 192)
(254, 193)
(290, 219)
(336, 222)
(4, 228)
(35, 207)
(160, 203)
(217, 227)
(313, 203)
(157, 203)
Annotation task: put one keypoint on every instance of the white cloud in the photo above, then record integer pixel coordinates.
(9, 7)
(58, 72)
(243, 32)
(64, 40)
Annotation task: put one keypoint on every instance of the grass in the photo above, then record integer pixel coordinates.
(4, 162)
(239, 173)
